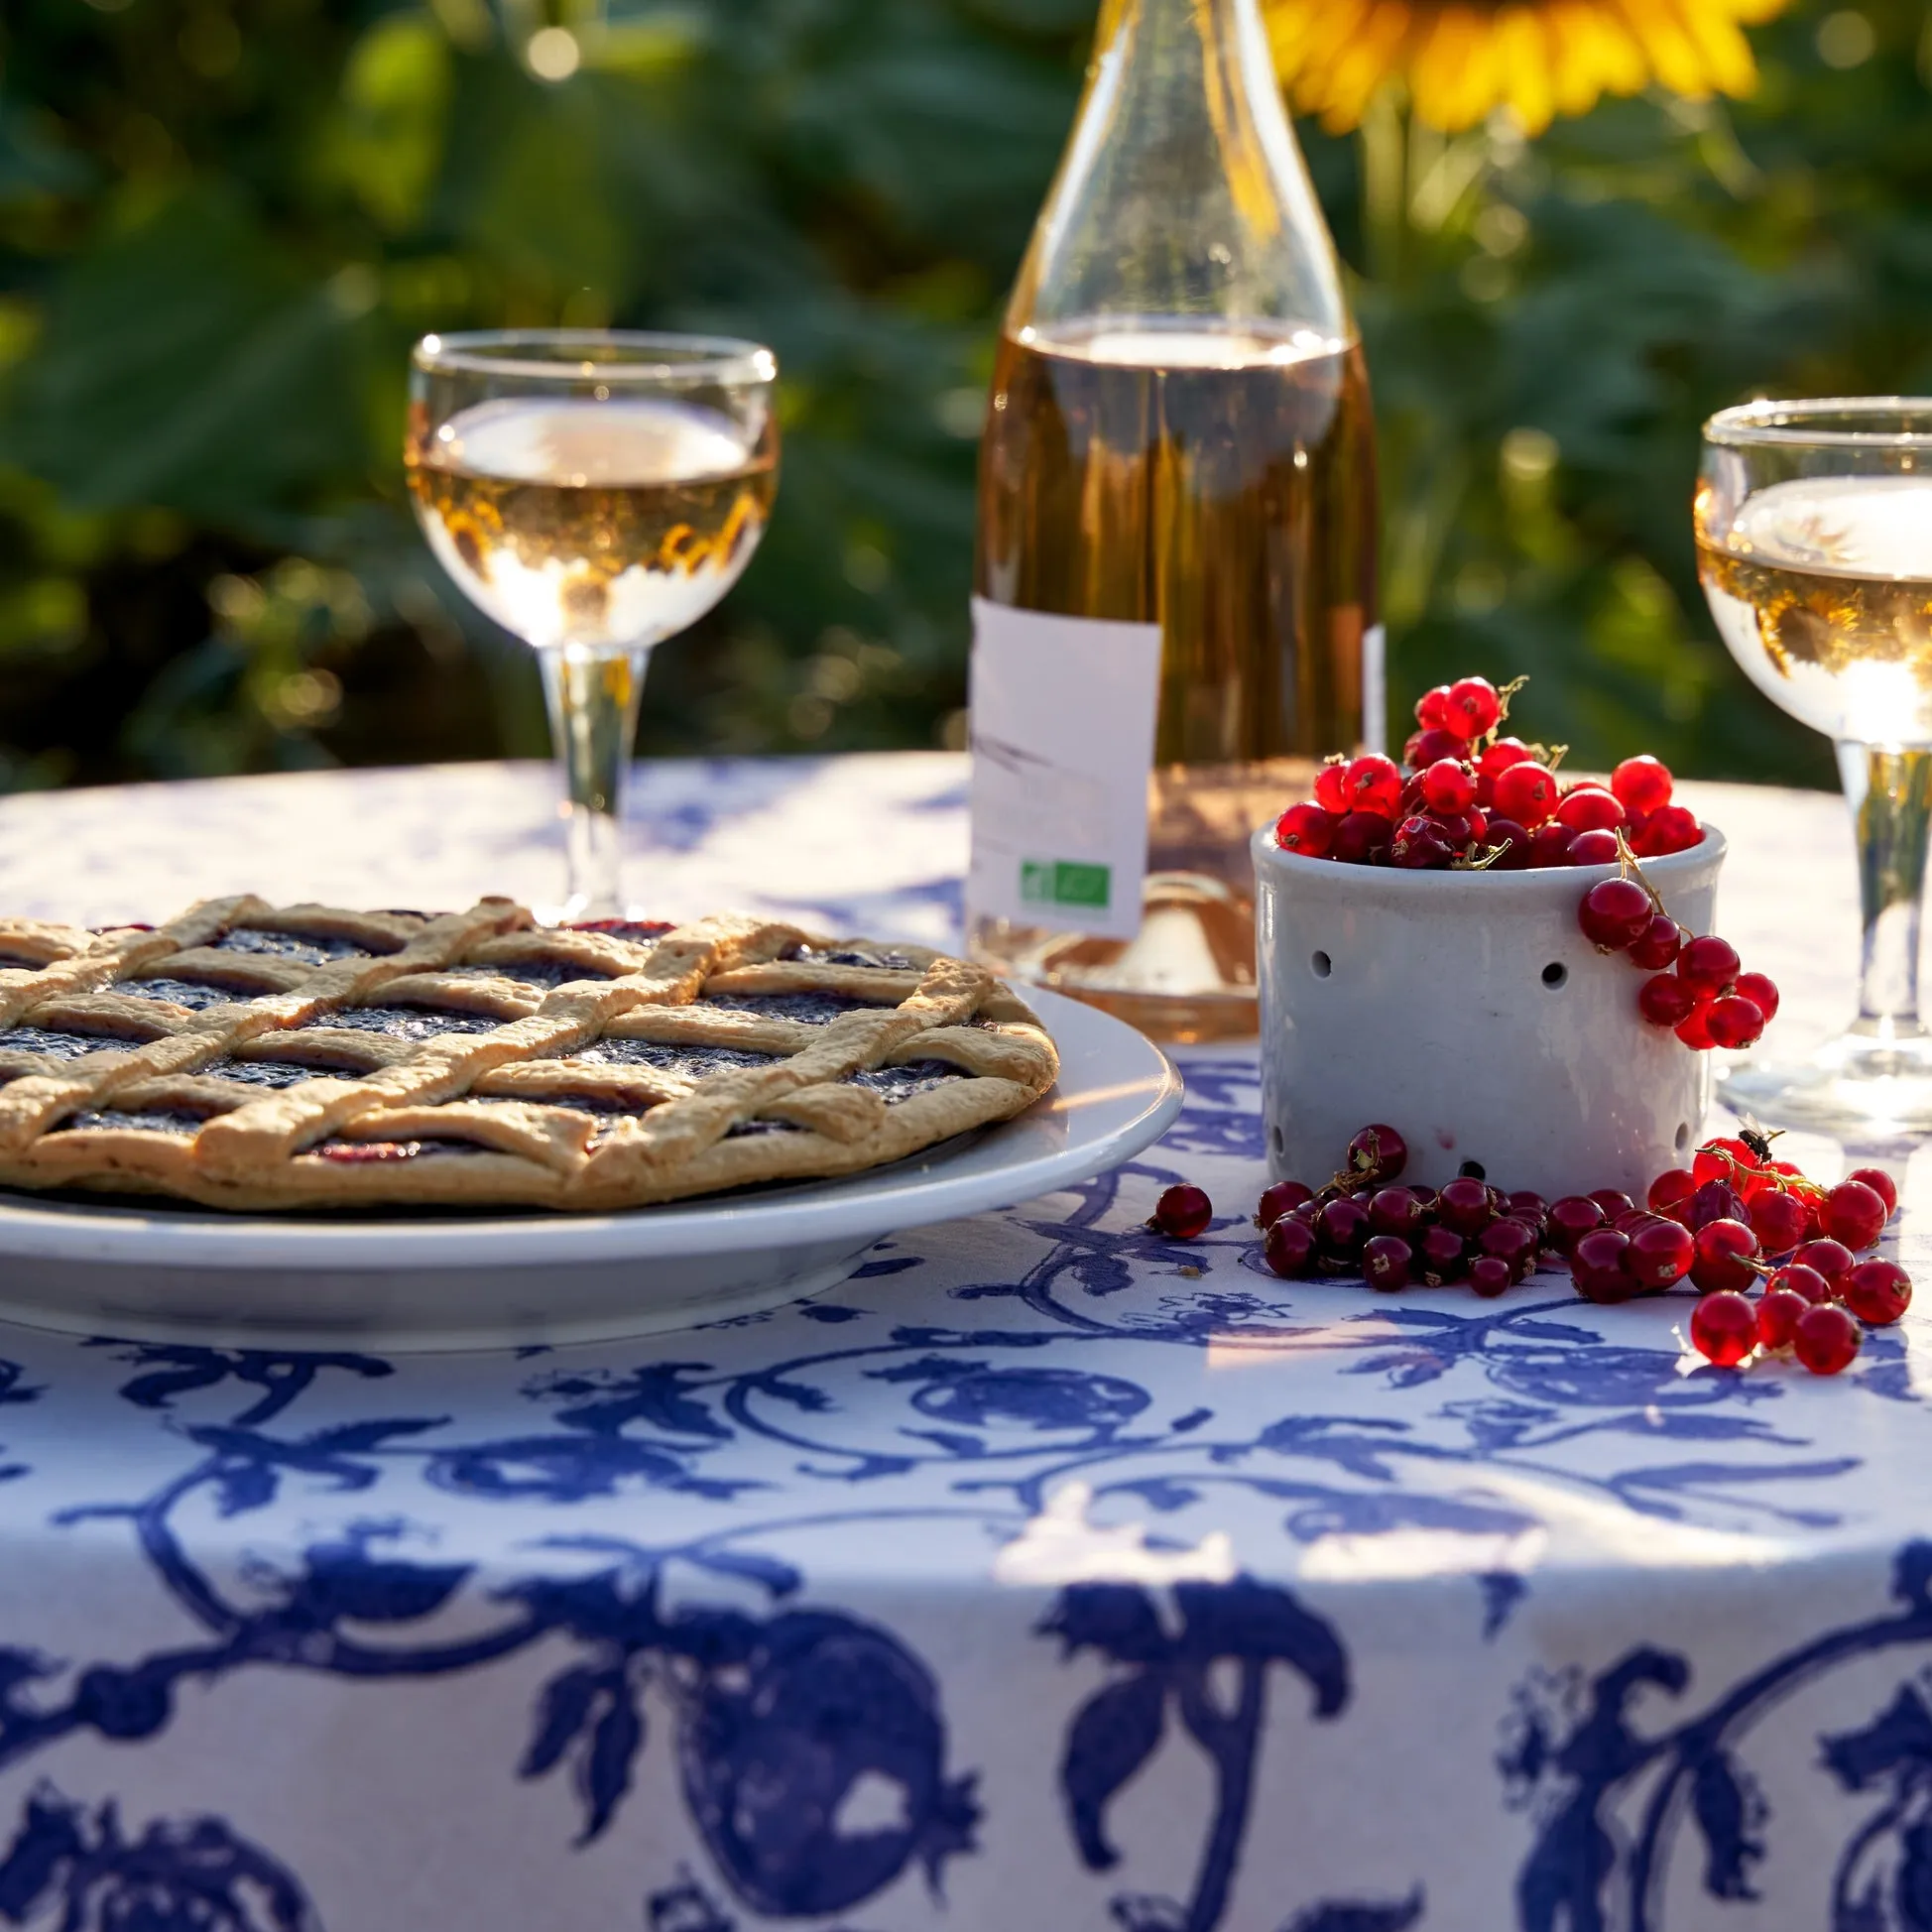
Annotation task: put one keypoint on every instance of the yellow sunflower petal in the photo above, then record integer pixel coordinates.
(1525, 67)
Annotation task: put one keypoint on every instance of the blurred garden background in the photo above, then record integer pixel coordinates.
(223, 221)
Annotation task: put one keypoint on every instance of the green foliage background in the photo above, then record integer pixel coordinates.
(223, 221)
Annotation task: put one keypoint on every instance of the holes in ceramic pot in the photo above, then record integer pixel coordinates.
(1554, 974)
(1277, 1140)
(1681, 1140)
(1322, 964)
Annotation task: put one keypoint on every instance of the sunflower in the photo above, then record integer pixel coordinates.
(1542, 57)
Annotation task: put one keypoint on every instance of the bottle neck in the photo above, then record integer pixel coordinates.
(1182, 192)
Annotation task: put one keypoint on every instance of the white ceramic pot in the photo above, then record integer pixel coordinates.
(1468, 1012)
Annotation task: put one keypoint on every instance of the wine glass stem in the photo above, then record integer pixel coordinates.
(1890, 791)
(593, 702)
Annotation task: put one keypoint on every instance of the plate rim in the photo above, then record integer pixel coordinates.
(836, 1208)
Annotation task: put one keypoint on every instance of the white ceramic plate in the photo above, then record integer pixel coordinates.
(179, 1273)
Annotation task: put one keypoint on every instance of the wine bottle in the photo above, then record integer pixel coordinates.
(1175, 605)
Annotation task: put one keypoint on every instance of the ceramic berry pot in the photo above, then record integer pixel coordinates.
(1468, 1012)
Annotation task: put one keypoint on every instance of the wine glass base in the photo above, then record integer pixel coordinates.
(1857, 1087)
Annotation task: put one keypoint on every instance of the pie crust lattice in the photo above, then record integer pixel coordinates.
(252, 1056)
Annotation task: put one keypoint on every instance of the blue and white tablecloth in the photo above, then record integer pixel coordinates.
(1049, 1574)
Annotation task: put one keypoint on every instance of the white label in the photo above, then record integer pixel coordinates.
(1062, 731)
(1375, 690)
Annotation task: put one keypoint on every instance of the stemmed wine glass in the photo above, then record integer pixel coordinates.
(594, 492)
(1814, 542)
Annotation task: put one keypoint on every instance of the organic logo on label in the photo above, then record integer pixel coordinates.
(1064, 881)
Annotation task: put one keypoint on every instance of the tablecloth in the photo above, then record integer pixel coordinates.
(1048, 1574)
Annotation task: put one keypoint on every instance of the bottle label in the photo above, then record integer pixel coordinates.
(1375, 690)
(1062, 732)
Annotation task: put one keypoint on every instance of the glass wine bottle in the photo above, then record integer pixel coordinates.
(1175, 573)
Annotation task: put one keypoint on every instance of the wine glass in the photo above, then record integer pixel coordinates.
(593, 491)
(1814, 544)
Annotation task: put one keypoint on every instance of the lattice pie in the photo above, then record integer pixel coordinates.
(254, 1056)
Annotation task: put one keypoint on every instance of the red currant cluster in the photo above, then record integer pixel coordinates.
(1707, 1001)
(1473, 800)
(1733, 1218)
(1364, 1223)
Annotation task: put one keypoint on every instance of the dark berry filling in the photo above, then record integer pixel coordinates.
(191, 994)
(670, 1056)
(272, 1074)
(161, 1120)
(531, 972)
(747, 1129)
(62, 1047)
(897, 1083)
(622, 928)
(305, 949)
(357, 1153)
(14, 959)
(811, 1009)
(407, 1023)
(896, 962)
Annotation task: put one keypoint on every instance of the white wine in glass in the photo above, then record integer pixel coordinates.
(594, 493)
(1814, 542)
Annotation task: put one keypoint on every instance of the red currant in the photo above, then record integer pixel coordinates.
(1594, 849)
(1778, 1218)
(1394, 1211)
(1733, 1022)
(1473, 706)
(1289, 1249)
(1432, 708)
(1779, 1311)
(1490, 1275)
(1596, 1265)
(1854, 1214)
(1761, 992)
(1332, 788)
(1375, 784)
(1528, 1207)
(1641, 783)
(1657, 944)
(1420, 845)
(1282, 1198)
(1182, 1213)
(1377, 1154)
(1794, 1278)
(1550, 845)
(1361, 838)
(1707, 965)
(1510, 1241)
(1670, 1192)
(1881, 1183)
(1426, 747)
(1826, 1340)
(1878, 1292)
(1526, 792)
(1570, 1219)
(1613, 1201)
(1589, 809)
(1659, 1253)
(1719, 1159)
(1665, 1001)
(1694, 1029)
(1722, 1260)
(1341, 1228)
(1498, 757)
(1463, 1206)
(1670, 829)
(1306, 829)
(1511, 842)
(1448, 787)
(1615, 914)
(1724, 1328)
(1386, 1262)
(1442, 1255)
(1830, 1259)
